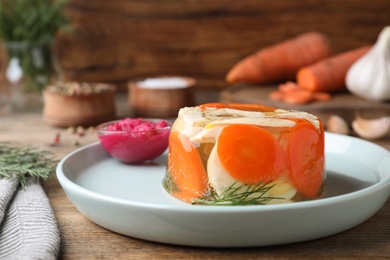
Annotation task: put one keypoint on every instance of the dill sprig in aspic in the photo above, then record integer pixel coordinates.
(238, 195)
(24, 163)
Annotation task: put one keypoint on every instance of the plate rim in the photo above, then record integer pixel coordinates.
(64, 180)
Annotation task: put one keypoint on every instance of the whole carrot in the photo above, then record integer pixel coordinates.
(280, 62)
(328, 75)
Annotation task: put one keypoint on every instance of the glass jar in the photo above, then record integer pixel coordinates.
(30, 68)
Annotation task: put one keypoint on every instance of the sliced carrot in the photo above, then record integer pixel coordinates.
(322, 96)
(276, 95)
(246, 107)
(298, 96)
(328, 75)
(280, 61)
(287, 87)
(186, 168)
(305, 150)
(291, 93)
(250, 154)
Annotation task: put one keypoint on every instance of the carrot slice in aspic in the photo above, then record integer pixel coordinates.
(186, 168)
(250, 154)
(305, 150)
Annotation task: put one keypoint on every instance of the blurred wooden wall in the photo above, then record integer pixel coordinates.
(119, 40)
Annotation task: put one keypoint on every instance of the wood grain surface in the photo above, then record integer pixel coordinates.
(82, 239)
(119, 40)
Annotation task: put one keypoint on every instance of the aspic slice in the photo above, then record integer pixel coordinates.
(250, 155)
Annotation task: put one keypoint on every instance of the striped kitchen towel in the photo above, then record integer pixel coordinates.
(28, 227)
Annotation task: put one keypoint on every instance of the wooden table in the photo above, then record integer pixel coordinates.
(82, 239)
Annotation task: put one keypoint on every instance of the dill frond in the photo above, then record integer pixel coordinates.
(23, 163)
(239, 195)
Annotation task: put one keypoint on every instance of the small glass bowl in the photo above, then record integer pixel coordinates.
(134, 146)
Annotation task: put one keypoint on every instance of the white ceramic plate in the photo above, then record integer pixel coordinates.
(130, 200)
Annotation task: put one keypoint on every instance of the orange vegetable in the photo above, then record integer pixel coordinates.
(321, 96)
(297, 95)
(276, 95)
(305, 150)
(186, 168)
(280, 62)
(250, 154)
(246, 107)
(328, 75)
(291, 93)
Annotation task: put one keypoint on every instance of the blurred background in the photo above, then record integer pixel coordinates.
(120, 40)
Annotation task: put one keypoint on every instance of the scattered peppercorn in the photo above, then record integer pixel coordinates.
(57, 138)
(91, 129)
(80, 131)
(79, 88)
(71, 130)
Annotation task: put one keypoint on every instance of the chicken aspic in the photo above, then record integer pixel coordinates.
(245, 154)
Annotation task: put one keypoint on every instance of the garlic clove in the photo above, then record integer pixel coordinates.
(338, 125)
(371, 129)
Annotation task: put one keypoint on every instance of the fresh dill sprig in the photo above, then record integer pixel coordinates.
(239, 195)
(24, 163)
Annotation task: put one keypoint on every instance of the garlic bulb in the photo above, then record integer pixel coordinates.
(369, 76)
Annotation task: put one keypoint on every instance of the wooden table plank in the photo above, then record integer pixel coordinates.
(82, 239)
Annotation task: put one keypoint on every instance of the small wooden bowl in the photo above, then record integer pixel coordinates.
(64, 110)
(161, 98)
